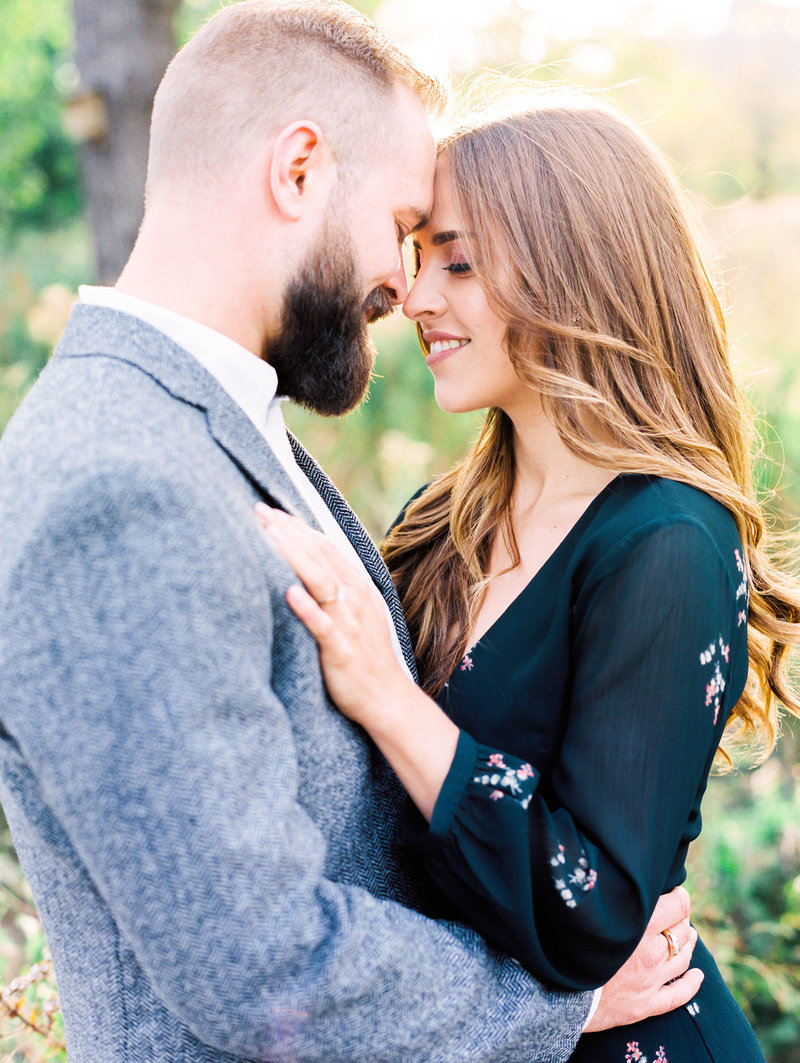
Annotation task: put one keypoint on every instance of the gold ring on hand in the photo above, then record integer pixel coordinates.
(339, 595)
(674, 947)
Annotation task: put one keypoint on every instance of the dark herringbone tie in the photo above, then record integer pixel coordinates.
(364, 546)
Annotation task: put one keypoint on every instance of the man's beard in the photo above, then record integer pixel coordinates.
(323, 354)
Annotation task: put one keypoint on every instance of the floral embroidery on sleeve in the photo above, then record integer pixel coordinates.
(715, 687)
(581, 879)
(515, 779)
(742, 592)
(466, 663)
(718, 650)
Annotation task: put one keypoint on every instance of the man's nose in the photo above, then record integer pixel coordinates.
(397, 285)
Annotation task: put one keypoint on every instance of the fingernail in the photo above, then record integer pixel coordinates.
(263, 510)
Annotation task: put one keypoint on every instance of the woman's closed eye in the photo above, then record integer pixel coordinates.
(459, 266)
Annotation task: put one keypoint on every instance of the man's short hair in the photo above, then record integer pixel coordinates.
(258, 65)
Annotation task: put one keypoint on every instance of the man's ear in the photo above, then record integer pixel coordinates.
(302, 168)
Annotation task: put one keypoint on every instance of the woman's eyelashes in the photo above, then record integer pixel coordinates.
(459, 265)
(456, 259)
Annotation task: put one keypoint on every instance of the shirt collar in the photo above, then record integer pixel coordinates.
(249, 380)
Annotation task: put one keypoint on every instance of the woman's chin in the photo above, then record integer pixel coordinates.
(454, 403)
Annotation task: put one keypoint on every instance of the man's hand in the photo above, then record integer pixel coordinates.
(639, 989)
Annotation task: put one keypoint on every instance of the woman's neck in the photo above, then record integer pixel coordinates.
(546, 471)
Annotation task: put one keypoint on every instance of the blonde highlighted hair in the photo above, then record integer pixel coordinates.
(584, 245)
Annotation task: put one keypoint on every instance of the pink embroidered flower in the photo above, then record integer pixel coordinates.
(661, 1056)
(466, 663)
(496, 795)
(496, 761)
(525, 772)
(633, 1053)
(726, 652)
(742, 591)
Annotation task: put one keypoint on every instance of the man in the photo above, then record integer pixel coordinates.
(209, 842)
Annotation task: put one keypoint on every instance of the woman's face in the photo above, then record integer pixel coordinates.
(464, 338)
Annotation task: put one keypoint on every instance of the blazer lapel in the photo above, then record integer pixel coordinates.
(248, 449)
(107, 333)
(363, 544)
(103, 332)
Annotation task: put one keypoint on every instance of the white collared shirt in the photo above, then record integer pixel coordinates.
(252, 383)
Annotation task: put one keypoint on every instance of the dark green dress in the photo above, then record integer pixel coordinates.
(590, 713)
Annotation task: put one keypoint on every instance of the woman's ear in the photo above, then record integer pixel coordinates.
(302, 167)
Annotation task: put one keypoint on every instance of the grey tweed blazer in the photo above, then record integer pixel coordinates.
(210, 844)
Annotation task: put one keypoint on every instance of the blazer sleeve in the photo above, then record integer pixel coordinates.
(142, 623)
(565, 876)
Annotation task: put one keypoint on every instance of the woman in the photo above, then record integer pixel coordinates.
(586, 590)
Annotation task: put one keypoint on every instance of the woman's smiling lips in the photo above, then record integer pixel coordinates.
(442, 344)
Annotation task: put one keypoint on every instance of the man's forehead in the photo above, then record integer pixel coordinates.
(403, 161)
(413, 175)
(405, 184)
(411, 135)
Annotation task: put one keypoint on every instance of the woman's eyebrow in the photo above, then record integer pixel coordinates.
(445, 237)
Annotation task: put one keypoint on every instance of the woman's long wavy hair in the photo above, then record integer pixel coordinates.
(584, 245)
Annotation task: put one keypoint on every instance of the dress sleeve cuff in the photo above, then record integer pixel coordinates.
(454, 785)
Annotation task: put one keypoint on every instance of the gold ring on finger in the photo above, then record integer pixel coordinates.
(339, 595)
(672, 941)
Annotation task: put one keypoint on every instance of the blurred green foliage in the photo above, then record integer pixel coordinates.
(744, 876)
(31, 1027)
(726, 111)
(39, 181)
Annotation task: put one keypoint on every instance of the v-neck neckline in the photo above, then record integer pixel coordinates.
(576, 527)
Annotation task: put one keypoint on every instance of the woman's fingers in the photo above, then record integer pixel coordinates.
(671, 909)
(336, 603)
(342, 610)
(318, 563)
(306, 609)
(677, 993)
(672, 948)
(652, 982)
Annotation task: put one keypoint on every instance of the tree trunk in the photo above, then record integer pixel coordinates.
(122, 48)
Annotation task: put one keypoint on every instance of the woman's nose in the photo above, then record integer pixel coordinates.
(422, 298)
